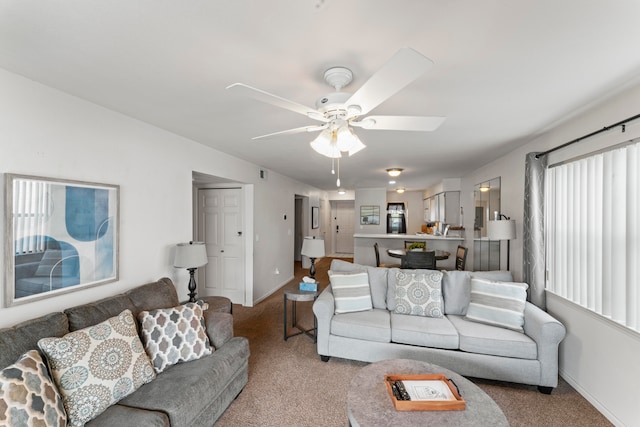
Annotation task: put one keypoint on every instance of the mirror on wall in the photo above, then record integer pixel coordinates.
(486, 201)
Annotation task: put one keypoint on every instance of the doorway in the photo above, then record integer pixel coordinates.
(342, 226)
(221, 227)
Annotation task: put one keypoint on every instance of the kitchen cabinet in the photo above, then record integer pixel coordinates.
(443, 208)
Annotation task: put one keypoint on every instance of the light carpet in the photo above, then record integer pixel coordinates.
(290, 386)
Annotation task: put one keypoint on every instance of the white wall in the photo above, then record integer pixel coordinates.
(48, 133)
(370, 197)
(597, 358)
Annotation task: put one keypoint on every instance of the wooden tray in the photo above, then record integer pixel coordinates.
(456, 404)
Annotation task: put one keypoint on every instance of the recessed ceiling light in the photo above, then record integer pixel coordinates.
(341, 191)
(392, 182)
(484, 188)
(394, 171)
(400, 190)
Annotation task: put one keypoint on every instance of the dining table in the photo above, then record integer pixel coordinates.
(399, 253)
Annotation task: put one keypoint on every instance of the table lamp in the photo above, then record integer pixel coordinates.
(191, 256)
(312, 248)
(502, 229)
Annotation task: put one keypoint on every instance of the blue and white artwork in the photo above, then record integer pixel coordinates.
(65, 236)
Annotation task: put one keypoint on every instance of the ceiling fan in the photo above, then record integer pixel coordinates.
(338, 111)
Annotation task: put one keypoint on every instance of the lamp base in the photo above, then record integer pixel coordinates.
(312, 270)
(192, 284)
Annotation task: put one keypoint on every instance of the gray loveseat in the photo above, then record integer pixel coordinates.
(466, 347)
(188, 394)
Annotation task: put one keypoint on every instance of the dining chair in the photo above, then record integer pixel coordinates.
(461, 257)
(377, 250)
(419, 259)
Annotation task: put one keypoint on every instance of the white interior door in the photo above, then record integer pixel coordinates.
(344, 226)
(221, 228)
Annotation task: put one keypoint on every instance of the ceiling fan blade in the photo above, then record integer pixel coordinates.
(269, 98)
(415, 123)
(403, 68)
(313, 128)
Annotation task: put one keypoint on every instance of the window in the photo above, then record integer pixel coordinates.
(593, 233)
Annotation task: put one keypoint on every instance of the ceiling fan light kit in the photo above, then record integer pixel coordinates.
(338, 111)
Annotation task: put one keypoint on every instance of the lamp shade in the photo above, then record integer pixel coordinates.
(312, 248)
(504, 229)
(190, 255)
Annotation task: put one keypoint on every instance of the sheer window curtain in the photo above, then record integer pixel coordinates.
(592, 238)
(533, 246)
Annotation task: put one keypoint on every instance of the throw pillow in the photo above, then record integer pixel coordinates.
(173, 335)
(351, 291)
(497, 303)
(28, 396)
(96, 366)
(419, 294)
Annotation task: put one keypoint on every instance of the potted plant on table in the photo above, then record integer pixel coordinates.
(416, 246)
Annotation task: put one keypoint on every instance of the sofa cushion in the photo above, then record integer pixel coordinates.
(372, 325)
(498, 303)
(456, 291)
(351, 291)
(174, 335)
(97, 366)
(17, 340)
(185, 391)
(377, 279)
(485, 339)
(419, 294)
(423, 331)
(28, 395)
(150, 296)
(496, 275)
(85, 315)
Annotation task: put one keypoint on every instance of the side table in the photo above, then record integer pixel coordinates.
(294, 294)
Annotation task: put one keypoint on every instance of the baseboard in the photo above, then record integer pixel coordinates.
(591, 399)
(276, 289)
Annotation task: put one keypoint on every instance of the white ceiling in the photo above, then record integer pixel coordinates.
(505, 70)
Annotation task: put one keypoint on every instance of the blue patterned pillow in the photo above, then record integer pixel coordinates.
(174, 335)
(419, 294)
(28, 396)
(97, 366)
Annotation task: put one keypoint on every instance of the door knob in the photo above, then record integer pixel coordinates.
(239, 233)
(222, 250)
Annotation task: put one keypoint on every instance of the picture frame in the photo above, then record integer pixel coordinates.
(369, 215)
(315, 217)
(61, 236)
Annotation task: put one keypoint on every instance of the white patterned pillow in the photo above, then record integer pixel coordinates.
(173, 335)
(351, 291)
(96, 366)
(28, 396)
(498, 303)
(419, 294)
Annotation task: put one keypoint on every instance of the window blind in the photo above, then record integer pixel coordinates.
(592, 224)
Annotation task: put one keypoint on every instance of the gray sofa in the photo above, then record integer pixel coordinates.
(188, 394)
(466, 347)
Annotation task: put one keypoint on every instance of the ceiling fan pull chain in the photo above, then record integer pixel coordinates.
(338, 180)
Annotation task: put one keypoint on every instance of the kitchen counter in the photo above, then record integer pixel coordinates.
(406, 237)
(363, 252)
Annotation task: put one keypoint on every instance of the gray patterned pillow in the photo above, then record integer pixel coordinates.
(97, 366)
(173, 335)
(28, 396)
(419, 294)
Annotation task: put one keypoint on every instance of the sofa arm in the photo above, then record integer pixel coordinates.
(547, 332)
(323, 308)
(219, 327)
